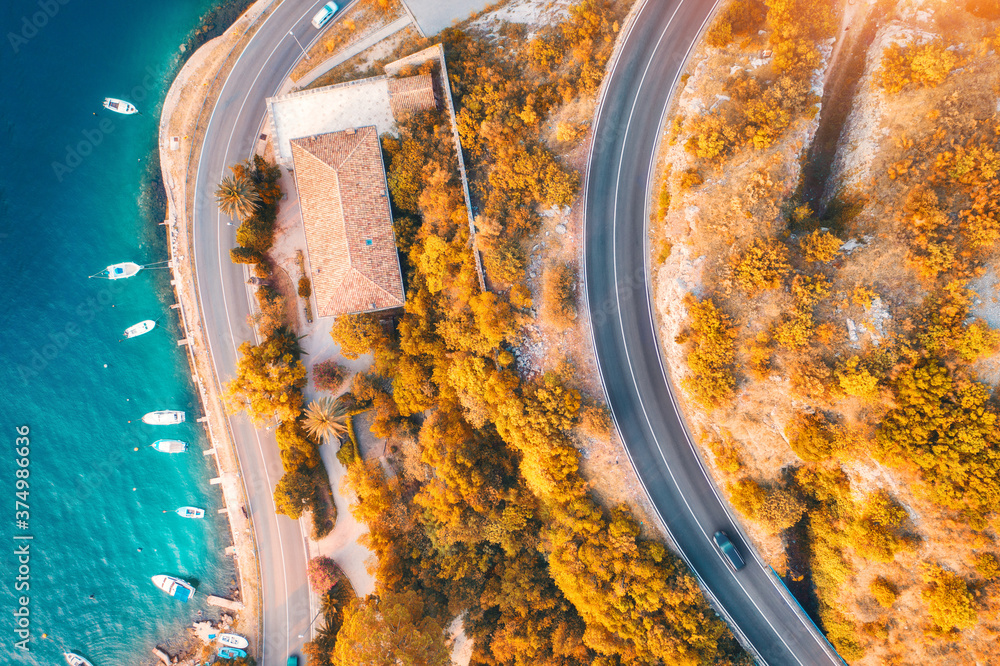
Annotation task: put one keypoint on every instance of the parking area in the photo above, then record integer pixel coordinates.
(433, 16)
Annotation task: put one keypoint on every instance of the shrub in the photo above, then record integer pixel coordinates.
(741, 18)
(945, 425)
(293, 493)
(559, 295)
(796, 57)
(503, 258)
(863, 296)
(258, 231)
(305, 287)
(763, 265)
(570, 132)
(857, 380)
(244, 255)
(358, 334)
(323, 574)
(727, 458)
(711, 353)
(978, 341)
(765, 109)
(949, 601)
(262, 270)
(712, 137)
(819, 246)
(924, 65)
(666, 247)
(720, 33)
(328, 375)
(691, 178)
(810, 437)
(884, 592)
(349, 451)
(775, 508)
(595, 421)
(664, 203)
(877, 533)
(988, 565)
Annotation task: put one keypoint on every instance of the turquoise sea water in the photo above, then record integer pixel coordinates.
(93, 500)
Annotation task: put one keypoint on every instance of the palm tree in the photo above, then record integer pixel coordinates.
(237, 197)
(326, 418)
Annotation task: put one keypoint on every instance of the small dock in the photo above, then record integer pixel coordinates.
(225, 603)
(163, 656)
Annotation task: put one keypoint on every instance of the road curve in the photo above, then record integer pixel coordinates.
(230, 136)
(626, 128)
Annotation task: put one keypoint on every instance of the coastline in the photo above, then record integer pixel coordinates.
(189, 100)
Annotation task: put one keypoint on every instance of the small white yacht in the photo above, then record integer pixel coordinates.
(170, 446)
(76, 660)
(175, 587)
(164, 417)
(125, 269)
(233, 640)
(119, 106)
(190, 512)
(141, 328)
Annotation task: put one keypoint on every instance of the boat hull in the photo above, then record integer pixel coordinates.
(231, 653)
(75, 659)
(233, 641)
(175, 587)
(141, 328)
(164, 417)
(169, 446)
(123, 270)
(119, 106)
(190, 512)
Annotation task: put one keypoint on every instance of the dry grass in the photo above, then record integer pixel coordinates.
(353, 24)
(372, 61)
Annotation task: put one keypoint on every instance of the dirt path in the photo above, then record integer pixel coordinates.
(847, 64)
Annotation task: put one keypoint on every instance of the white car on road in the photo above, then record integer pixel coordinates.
(324, 15)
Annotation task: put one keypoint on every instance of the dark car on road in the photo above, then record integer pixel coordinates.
(729, 550)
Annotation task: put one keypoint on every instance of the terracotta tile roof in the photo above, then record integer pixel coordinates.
(410, 94)
(345, 211)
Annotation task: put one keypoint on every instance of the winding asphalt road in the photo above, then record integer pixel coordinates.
(629, 120)
(231, 135)
(626, 129)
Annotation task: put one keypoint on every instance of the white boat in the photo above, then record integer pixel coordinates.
(233, 640)
(170, 446)
(125, 269)
(76, 660)
(175, 587)
(190, 512)
(141, 328)
(119, 106)
(164, 417)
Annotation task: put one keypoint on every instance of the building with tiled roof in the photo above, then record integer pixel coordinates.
(411, 94)
(344, 201)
